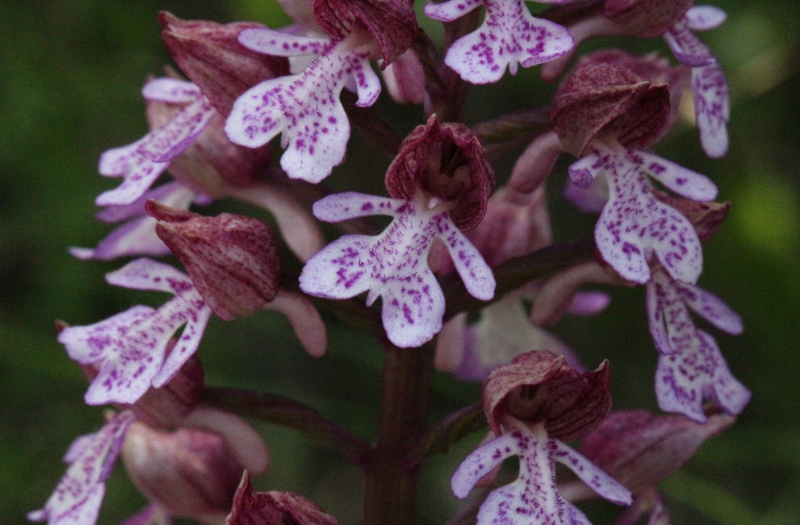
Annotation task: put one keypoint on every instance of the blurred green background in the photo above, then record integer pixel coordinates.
(70, 75)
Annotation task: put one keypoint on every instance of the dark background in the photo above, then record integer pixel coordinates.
(70, 75)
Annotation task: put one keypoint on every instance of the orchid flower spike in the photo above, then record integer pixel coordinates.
(441, 184)
(605, 114)
(691, 368)
(510, 36)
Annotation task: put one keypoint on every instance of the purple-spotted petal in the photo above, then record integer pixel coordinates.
(351, 205)
(634, 225)
(509, 36)
(482, 460)
(599, 481)
(684, 380)
(138, 235)
(171, 90)
(307, 110)
(278, 43)
(147, 274)
(687, 48)
(393, 265)
(77, 498)
(169, 141)
(711, 308)
(452, 9)
(704, 17)
(584, 171)
(139, 173)
(469, 263)
(196, 314)
(712, 108)
(129, 348)
(682, 181)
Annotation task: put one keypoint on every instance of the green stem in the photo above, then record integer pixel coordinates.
(287, 412)
(391, 476)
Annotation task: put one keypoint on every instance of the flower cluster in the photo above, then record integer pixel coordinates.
(309, 83)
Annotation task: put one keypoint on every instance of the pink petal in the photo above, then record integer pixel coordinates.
(468, 261)
(686, 379)
(712, 108)
(171, 90)
(138, 171)
(599, 481)
(138, 235)
(481, 461)
(687, 48)
(704, 17)
(509, 35)
(351, 205)
(307, 110)
(147, 274)
(711, 308)
(635, 224)
(169, 141)
(341, 270)
(685, 182)
(196, 314)
(77, 498)
(279, 43)
(452, 9)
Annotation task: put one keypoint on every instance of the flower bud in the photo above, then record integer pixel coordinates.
(269, 508)
(447, 162)
(212, 57)
(232, 260)
(190, 473)
(602, 98)
(646, 18)
(539, 386)
(640, 449)
(392, 23)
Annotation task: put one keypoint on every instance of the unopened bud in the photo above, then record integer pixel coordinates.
(190, 473)
(272, 508)
(232, 260)
(646, 18)
(212, 57)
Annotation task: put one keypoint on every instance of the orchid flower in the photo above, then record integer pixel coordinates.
(142, 162)
(305, 107)
(509, 36)
(533, 497)
(130, 348)
(393, 265)
(709, 88)
(691, 368)
(634, 224)
(77, 498)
